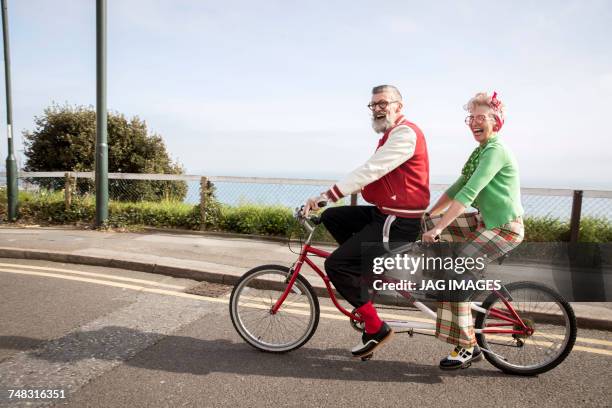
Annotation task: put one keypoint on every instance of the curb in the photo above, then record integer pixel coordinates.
(216, 234)
(177, 272)
(224, 234)
(200, 275)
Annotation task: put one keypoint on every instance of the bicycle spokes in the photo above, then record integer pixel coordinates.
(252, 307)
(530, 334)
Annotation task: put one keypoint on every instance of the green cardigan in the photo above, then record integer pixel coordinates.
(494, 187)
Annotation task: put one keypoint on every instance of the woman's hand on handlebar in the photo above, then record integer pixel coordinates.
(314, 203)
(433, 235)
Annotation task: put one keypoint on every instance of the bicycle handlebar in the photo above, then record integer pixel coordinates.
(314, 219)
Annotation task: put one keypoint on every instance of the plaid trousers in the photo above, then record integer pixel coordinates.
(454, 319)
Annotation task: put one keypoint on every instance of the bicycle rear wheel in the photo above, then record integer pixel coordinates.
(543, 310)
(251, 303)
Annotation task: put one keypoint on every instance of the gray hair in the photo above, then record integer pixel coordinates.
(497, 108)
(387, 88)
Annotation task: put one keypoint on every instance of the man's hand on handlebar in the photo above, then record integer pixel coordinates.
(314, 203)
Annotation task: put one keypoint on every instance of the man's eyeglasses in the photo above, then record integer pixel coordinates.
(477, 119)
(381, 104)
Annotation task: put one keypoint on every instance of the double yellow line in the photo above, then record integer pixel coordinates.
(140, 285)
(143, 285)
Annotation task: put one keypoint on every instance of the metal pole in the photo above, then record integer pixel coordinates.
(101, 129)
(11, 163)
(575, 220)
(203, 196)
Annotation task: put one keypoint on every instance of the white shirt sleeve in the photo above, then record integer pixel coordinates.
(398, 148)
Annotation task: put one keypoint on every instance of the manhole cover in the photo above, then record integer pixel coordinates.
(209, 289)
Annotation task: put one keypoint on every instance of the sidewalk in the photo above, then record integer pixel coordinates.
(195, 256)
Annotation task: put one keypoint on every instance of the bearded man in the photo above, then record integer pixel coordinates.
(395, 179)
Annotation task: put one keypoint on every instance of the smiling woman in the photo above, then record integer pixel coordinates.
(489, 181)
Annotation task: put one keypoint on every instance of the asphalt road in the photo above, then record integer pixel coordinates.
(114, 338)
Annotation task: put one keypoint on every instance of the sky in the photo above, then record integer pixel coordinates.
(280, 88)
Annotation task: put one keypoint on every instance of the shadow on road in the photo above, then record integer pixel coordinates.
(181, 354)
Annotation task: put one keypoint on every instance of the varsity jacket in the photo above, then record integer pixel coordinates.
(396, 177)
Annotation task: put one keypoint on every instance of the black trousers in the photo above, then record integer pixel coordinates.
(356, 228)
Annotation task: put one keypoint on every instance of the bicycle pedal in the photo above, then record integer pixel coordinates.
(368, 357)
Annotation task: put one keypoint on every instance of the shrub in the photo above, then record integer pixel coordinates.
(545, 229)
(254, 219)
(593, 229)
(64, 139)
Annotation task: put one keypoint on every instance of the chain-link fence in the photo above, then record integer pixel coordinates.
(235, 191)
(121, 187)
(541, 203)
(597, 204)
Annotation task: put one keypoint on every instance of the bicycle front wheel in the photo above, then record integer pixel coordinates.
(544, 311)
(251, 304)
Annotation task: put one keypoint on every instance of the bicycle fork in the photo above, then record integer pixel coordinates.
(294, 271)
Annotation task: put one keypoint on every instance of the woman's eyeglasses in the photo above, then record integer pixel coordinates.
(381, 104)
(477, 119)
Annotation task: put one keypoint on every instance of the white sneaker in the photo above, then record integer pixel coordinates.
(461, 357)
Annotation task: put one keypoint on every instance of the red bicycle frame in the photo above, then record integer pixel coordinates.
(509, 316)
(297, 267)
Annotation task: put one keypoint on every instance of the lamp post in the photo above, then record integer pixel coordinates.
(11, 162)
(101, 129)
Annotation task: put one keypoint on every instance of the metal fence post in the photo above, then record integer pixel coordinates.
(353, 199)
(203, 196)
(67, 190)
(575, 220)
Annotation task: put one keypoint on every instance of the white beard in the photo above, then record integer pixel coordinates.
(381, 125)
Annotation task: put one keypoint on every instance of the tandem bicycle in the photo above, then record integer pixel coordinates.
(525, 328)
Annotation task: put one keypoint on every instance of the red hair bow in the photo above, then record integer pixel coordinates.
(494, 101)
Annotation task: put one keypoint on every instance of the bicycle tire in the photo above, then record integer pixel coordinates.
(302, 285)
(568, 340)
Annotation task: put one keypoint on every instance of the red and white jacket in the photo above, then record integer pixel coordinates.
(396, 177)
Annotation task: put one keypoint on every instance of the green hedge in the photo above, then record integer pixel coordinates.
(263, 220)
(49, 208)
(546, 229)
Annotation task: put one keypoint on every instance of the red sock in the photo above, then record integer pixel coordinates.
(370, 318)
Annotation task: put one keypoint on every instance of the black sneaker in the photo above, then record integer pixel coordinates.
(461, 358)
(370, 342)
